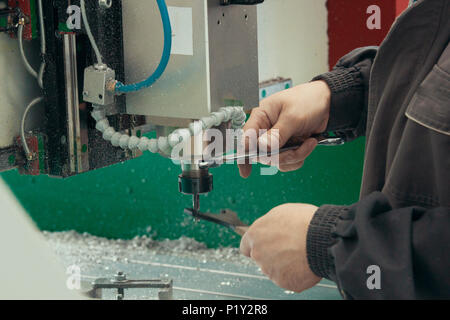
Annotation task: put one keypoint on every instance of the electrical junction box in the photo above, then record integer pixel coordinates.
(214, 60)
(95, 83)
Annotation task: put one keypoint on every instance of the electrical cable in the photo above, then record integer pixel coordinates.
(43, 44)
(39, 76)
(89, 33)
(22, 127)
(22, 53)
(119, 86)
(122, 88)
(42, 29)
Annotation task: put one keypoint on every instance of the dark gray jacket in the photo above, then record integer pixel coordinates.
(398, 95)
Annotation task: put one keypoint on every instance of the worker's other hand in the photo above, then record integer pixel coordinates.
(277, 243)
(301, 111)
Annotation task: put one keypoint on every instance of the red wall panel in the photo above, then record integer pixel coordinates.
(347, 24)
(401, 6)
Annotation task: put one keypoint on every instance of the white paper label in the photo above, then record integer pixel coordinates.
(182, 30)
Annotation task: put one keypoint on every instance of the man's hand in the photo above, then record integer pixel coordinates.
(277, 243)
(298, 112)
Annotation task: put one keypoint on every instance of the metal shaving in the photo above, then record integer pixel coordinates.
(85, 250)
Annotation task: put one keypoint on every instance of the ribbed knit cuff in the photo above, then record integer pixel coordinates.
(320, 239)
(347, 97)
(339, 80)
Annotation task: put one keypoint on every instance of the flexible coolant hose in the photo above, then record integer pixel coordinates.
(165, 145)
(122, 88)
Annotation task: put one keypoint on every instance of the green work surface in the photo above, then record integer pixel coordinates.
(141, 197)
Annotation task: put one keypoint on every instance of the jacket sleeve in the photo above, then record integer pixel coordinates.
(349, 84)
(410, 246)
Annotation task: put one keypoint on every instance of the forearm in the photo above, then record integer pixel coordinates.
(410, 245)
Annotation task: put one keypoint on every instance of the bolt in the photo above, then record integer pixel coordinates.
(120, 276)
(106, 4)
(30, 156)
(111, 85)
(100, 66)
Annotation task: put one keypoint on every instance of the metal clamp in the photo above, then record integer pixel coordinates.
(120, 282)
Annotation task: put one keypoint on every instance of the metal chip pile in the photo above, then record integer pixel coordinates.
(86, 250)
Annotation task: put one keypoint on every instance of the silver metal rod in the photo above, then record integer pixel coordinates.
(77, 163)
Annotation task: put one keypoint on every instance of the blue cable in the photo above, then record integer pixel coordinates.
(120, 87)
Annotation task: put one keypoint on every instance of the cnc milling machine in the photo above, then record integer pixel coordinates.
(91, 81)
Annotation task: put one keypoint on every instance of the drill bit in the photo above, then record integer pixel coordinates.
(196, 202)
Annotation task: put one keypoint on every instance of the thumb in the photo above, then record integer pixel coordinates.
(278, 135)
